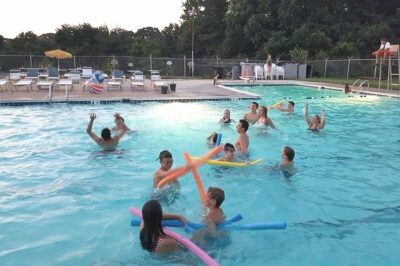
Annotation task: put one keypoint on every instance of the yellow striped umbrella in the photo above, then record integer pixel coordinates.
(59, 54)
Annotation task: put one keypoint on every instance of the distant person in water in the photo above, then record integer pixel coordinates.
(287, 164)
(347, 89)
(252, 116)
(288, 109)
(264, 121)
(242, 143)
(318, 121)
(212, 139)
(226, 118)
(106, 141)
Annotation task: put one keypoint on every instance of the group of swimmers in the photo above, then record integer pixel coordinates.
(152, 235)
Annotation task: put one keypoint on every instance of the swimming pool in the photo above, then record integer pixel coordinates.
(62, 202)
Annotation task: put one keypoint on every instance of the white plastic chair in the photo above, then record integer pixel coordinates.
(259, 72)
(280, 72)
(87, 72)
(137, 80)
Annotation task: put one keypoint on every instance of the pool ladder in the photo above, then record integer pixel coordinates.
(359, 83)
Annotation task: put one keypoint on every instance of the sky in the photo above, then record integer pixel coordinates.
(45, 16)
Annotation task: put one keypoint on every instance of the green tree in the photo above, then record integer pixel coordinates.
(147, 41)
(24, 44)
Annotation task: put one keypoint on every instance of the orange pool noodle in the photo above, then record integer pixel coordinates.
(175, 174)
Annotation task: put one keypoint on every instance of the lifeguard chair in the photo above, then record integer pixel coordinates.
(393, 70)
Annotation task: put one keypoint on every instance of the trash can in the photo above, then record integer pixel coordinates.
(220, 71)
(235, 72)
(164, 89)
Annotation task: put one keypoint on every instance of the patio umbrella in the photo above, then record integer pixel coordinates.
(59, 54)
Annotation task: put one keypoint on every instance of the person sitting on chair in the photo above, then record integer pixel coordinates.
(383, 50)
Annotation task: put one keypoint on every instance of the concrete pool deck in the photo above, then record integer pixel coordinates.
(194, 89)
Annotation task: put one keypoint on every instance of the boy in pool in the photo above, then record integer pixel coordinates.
(288, 109)
(287, 156)
(215, 215)
(106, 141)
(229, 155)
(252, 116)
(166, 162)
(242, 143)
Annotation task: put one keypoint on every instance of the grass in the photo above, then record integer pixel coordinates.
(350, 81)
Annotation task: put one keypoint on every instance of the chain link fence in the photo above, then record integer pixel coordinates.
(182, 67)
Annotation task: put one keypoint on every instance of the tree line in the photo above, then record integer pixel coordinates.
(288, 29)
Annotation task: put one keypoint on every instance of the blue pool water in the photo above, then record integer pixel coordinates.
(62, 202)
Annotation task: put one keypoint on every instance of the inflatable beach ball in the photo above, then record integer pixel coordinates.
(96, 82)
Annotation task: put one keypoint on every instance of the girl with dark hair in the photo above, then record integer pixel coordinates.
(152, 236)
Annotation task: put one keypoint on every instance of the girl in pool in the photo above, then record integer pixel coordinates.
(264, 121)
(318, 122)
(152, 236)
(226, 119)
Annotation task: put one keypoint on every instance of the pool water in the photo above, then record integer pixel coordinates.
(64, 202)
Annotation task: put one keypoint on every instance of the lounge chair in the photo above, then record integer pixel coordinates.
(74, 77)
(65, 83)
(118, 75)
(87, 72)
(32, 73)
(22, 83)
(3, 84)
(14, 75)
(156, 80)
(137, 80)
(53, 74)
(114, 84)
(44, 84)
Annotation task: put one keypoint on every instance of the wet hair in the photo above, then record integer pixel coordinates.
(106, 133)
(216, 194)
(120, 118)
(245, 124)
(292, 103)
(228, 146)
(215, 137)
(289, 152)
(152, 228)
(164, 154)
(265, 110)
(256, 104)
(319, 118)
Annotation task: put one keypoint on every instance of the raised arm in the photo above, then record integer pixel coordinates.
(322, 119)
(308, 121)
(171, 216)
(89, 129)
(270, 123)
(123, 129)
